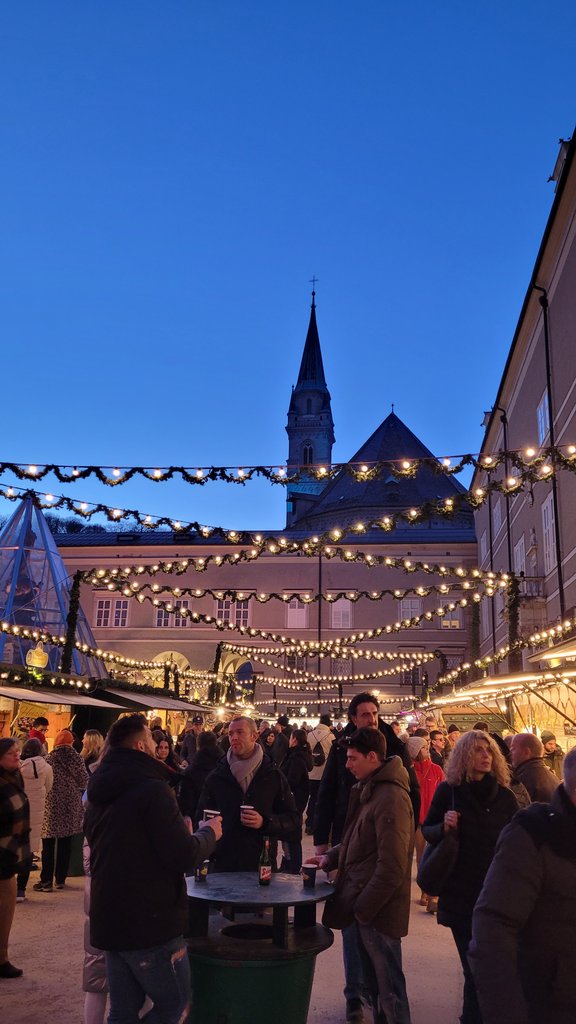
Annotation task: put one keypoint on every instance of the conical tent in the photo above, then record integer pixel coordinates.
(35, 590)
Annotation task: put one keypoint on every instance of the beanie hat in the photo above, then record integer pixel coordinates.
(64, 738)
(415, 745)
(546, 736)
(453, 728)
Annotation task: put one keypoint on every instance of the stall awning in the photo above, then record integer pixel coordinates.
(151, 700)
(20, 693)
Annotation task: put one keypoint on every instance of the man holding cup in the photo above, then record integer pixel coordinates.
(253, 797)
(374, 860)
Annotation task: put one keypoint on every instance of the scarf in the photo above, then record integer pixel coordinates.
(244, 768)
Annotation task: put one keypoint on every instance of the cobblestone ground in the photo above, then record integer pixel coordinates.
(47, 943)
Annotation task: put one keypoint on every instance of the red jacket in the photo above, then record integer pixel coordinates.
(429, 776)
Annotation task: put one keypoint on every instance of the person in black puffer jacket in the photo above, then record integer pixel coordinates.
(476, 801)
(296, 767)
(203, 762)
(247, 778)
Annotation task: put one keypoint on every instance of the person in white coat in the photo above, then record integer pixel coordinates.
(38, 778)
(320, 740)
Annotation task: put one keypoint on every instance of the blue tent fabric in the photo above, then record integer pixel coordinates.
(35, 589)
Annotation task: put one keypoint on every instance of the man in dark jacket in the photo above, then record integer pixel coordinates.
(522, 949)
(253, 798)
(331, 811)
(140, 850)
(526, 754)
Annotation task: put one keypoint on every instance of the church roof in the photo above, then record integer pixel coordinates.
(344, 497)
(312, 368)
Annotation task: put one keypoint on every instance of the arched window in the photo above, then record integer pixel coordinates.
(307, 454)
(308, 406)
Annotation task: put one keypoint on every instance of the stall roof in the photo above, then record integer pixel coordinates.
(149, 700)
(51, 697)
(565, 649)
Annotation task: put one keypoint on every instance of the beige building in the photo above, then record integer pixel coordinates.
(533, 532)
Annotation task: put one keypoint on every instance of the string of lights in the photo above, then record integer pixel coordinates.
(352, 653)
(445, 508)
(525, 461)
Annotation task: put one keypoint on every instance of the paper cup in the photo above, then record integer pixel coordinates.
(308, 872)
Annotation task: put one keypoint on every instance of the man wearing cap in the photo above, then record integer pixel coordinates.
(453, 736)
(281, 744)
(553, 754)
(194, 726)
(524, 923)
(63, 814)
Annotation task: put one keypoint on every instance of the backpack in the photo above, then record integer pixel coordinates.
(318, 755)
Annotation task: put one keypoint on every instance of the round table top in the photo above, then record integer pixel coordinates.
(243, 887)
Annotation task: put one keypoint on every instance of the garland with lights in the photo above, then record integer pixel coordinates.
(98, 575)
(445, 508)
(133, 589)
(524, 461)
(353, 653)
(34, 677)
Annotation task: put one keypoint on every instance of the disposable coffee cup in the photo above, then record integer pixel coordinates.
(246, 807)
(309, 875)
(209, 814)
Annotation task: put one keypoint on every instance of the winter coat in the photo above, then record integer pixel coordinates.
(14, 825)
(537, 778)
(375, 857)
(189, 747)
(485, 808)
(269, 793)
(63, 815)
(140, 850)
(194, 777)
(323, 735)
(296, 768)
(337, 781)
(524, 923)
(38, 778)
(279, 750)
(555, 759)
(429, 776)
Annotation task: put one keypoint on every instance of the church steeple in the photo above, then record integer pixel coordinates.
(310, 425)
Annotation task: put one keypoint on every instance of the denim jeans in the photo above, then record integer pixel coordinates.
(161, 972)
(382, 963)
(354, 987)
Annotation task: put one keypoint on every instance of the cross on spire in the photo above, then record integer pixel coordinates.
(313, 281)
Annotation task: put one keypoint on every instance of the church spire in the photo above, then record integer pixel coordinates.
(310, 425)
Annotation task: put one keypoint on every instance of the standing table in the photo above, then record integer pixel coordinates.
(252, 970)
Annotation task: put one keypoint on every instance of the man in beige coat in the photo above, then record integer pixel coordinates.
(374, 859)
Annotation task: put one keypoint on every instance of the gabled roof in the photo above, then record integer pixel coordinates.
(34, 591)
(344, 496)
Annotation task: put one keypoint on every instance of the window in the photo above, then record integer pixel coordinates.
(342, 667)
(120, 613)
(520, 556)
(296, 662)
(452, 619)
(233, 611)
(484, 621)
(181, 620)
(297, 614)
(162, 618)
(410, 608)
(549, 539)
(341, 614)
(308, 406)
(497, 515)
(483, 546)
(103, 612)
(543, 418)
(307, 454)
(111, 613)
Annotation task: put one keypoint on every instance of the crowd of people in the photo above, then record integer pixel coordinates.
(153, 808)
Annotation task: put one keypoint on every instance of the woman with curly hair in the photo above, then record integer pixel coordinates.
(476, 801)
(92, 744)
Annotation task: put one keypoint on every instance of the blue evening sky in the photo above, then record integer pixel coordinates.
(173, 172)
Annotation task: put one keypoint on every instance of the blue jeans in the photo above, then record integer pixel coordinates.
(160, 972)
(354, 987)
(382, 962)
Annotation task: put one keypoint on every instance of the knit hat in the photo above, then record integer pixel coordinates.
(415, 745)
(453, 728)
(547, 736)
(64, 738)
